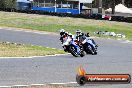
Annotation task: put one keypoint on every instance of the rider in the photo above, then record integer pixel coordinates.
(64, 38)
(81, 37)
(88, 36)
(73, 42)
(63, 34)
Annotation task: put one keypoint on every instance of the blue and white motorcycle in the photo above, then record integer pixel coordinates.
(89, 47)
(71, 46)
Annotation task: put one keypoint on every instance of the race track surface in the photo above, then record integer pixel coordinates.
(114, 56)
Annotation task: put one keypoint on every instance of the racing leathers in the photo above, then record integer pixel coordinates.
(69, 40)
(82, 38)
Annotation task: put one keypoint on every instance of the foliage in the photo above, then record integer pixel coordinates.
(7, 3)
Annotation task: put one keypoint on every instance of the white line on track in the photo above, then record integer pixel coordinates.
(34, 56)
(64, 83)
(13, 57)
(37, 84)
(18, 86)
(5, 86)
(50, 55)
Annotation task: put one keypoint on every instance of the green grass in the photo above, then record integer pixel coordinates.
(20, 50)
(53, 23)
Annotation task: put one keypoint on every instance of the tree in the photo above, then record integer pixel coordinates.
(100, 6)
(113, 6)
(7, 4)
(123, 2)
(128, 3)
(112, 3)
(1, 3)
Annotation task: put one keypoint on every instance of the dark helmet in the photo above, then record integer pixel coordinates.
(62, 32)
(88, 34)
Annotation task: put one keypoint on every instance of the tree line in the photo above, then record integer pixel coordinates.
(7, 3)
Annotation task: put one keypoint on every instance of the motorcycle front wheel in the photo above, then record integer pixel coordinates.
(73, 51)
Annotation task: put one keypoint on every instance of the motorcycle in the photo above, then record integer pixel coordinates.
(71, 46)
(88, 47)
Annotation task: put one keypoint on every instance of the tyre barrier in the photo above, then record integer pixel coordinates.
(86, 16)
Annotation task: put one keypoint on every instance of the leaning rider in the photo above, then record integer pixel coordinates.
(88, 37)
(81, 37)
(63, 34)
(74, 43)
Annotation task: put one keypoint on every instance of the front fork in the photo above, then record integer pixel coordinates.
(76, 47)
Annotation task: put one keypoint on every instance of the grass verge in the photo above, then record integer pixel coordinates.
(20, 50)
(53, 23)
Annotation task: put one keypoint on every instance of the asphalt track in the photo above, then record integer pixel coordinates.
(114, 56)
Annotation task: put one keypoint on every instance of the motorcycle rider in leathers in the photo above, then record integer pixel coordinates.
(81, 37)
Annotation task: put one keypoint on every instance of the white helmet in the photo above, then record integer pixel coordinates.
(62, 30)
(70, 34)
(78, 32)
